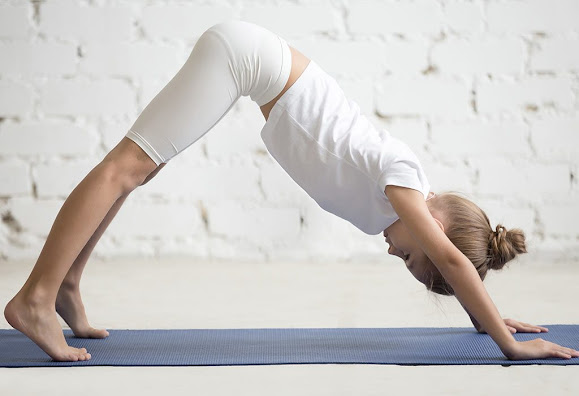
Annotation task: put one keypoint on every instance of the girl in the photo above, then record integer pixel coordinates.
(320, 138)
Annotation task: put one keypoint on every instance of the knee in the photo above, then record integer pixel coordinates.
(125, 175)
(152, 174)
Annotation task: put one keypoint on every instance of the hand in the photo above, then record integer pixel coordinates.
(521, 327)
(539, 349)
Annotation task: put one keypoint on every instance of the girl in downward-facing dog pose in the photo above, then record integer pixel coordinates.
(323, 142)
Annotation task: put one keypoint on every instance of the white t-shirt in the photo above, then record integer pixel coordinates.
(336, 155)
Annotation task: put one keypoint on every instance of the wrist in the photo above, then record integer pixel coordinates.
(509, 349)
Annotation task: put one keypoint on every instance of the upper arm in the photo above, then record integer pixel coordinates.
(411, 207)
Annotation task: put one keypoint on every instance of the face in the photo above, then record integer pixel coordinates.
(403, 245)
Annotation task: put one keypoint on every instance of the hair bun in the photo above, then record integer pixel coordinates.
(504, 245)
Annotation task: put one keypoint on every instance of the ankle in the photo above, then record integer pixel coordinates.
(69, 286)
(36, 296)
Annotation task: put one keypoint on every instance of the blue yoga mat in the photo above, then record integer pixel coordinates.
(230, 347)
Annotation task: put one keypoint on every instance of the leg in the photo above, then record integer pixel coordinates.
(228, 61)
(68, 301)
(72, 278)
(32, 311)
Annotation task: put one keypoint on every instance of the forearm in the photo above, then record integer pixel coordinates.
(471, 293)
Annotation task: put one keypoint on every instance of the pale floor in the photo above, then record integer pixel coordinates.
(178, 293)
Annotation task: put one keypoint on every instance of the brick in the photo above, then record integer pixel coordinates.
(560, 219)
(208, 182)
(182, 21)
(423, 95)
(22, 246)
(111, 97)
(523, 179)
(109, 248)
(405, 57)
(135, 60)
(487, 55)
(46, 59)
(15, 21)
(35, 216)
(112, 132)
(320, 17)
(462, 17)
(236, 135)
(14, 179)
(139, 219)
(351, 58)
(40, 139)
(279, 187)
(411, 131)
(261, 223)
(361, 91)
(379, 17)
(478, 139)
(532, 16)
(511, 214)
(556, 139)
(59, 179)
(68, 19)
(449, 176)
(527, 95)
(554, 251)
(554, 54)
(15, 99)
(327, 236)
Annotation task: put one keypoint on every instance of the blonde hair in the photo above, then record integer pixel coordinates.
(469, 229)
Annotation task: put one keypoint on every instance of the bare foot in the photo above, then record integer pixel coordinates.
(39, 323)
(70, 307)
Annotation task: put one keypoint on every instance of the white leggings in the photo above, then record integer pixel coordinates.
(229, 60)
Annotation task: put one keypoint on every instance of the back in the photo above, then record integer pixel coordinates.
(336, 155)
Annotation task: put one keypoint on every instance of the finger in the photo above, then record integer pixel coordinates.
(532, 329)
(567, 351)
(512, 329)
(562, 354)
(541, 328)
(525, 329)
(529, 327)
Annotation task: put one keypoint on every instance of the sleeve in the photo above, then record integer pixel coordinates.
(404, 170)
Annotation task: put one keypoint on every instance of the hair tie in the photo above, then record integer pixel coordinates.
(499, 230)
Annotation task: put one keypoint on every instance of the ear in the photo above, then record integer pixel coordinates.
(439, 223)
(437, 216)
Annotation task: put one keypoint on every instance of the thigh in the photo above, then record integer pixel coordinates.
(299, 64)
(193, 101)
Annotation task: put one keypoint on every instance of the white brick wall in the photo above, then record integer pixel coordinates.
(486, 92)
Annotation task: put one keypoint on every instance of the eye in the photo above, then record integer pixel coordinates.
(406, 257)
